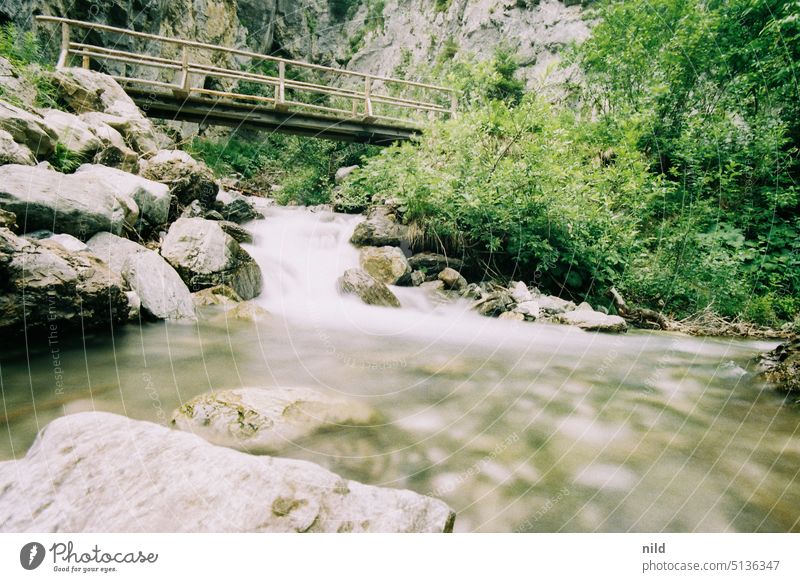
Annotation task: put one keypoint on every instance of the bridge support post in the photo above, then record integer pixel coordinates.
(64, 54)
(368, 97)
(280, 88)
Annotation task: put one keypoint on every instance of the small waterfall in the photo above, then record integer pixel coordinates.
(302, 253)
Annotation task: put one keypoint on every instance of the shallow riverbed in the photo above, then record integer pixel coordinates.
(518, 426)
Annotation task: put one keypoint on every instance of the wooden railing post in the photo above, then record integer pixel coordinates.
(280, 88)
(185, 80)
(453, 104)
(64, 54)
(368, 96)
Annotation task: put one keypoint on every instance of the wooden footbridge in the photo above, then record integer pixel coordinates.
(186, 80)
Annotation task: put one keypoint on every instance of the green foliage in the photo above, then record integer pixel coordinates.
(24, 52)
(517, 190)
(708, 89)
(343, 9)
(485, 81)
(65, 160)
(304, 168)
(442, 5)
(449, 50)
(20, 48)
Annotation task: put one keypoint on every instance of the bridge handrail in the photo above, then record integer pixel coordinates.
(280, 82)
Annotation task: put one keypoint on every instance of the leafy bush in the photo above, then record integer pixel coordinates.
(519, 191)
(24, 52)
(65, 160)
(710, 90)
(303, 167)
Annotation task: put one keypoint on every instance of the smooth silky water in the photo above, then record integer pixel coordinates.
(518, 426)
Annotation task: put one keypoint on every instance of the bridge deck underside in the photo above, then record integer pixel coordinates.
(230, 113)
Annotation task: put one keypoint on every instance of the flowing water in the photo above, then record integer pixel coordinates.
(518, 426)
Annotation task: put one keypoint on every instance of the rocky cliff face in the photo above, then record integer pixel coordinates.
(377, 36)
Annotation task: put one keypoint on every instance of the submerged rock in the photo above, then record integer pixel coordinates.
(69, 203)
(781, 366)
(205, 256)
(266, 420)
(386, 264)
(100, 472)
(512, 315)
(217, 295)
(162, 292)
(368, 289)
(380, 229)
(46, 288)
(594, 321)
(247, 311)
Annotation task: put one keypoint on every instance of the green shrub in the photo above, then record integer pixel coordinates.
(517, 190)
(65, 160)
(24, 52)
(303, 167)
(710, 93)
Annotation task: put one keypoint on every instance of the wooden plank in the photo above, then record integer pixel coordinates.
(193, 109)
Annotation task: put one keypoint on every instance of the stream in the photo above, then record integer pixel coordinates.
(517, 426)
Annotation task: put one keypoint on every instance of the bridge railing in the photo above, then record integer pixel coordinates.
(201, 71)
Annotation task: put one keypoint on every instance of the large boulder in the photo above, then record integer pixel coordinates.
(380, 229)
(236, 207)
(386, 264)
(590, 320)
(452, 279)
(187, 178)
(73, 133)
(162, 292)
(115, 152)
(205, 256)
(781, 366)
(44, 286)
(371, 291)
(84, 90)
(28, 129)
(14, 83)
(151, 197)
(68, 203)
(13, 153)
(100, 472)
(266, 420)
